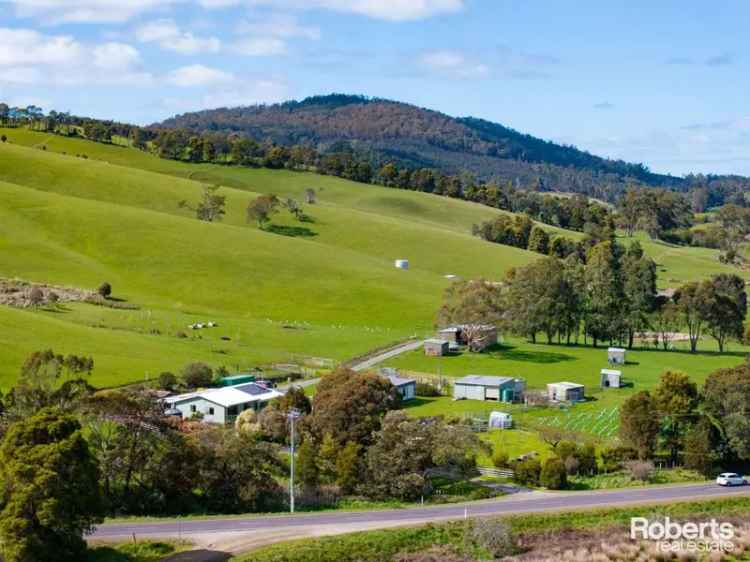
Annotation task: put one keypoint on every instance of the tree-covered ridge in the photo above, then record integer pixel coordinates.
(417, 136)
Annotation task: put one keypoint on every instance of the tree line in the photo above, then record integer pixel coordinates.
(339, 160)
(703, 429)
(610, 296)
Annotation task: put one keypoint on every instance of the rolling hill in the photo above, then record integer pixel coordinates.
(392, 131)
(330, 290)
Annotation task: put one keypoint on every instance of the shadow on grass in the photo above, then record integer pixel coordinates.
(198, 556)
(416, 402)
(512, 353)
(293, 231)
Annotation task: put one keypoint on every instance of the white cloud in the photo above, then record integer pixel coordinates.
(261, 47)
(168, 35)
(279, 25)
(390, 10)
(19, 75)
(116, 56)
(25, 46)
(198, 75)
(453, 63)
(87, 11)
(245, 93)
(30, 57)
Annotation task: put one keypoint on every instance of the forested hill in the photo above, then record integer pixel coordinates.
(392, 131)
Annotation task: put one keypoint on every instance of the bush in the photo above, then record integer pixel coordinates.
(572, 465)
(197, 374)
(554, 475)
(586, 456)
(167, 381)
(640, 470)
(493, 536)
(105, 289)
(427, 389)
(527, 472)
(613, 458)
(500, 459)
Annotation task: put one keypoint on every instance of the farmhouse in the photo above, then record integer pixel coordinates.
(221, 405)
(565, 392)
(436, 348)
(500, 420)
(407, 388)
(616, 356)
(611, 378)
(480, 387)
(482, 336)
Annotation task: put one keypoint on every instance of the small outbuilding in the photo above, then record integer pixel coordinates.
(436, 347)
(478, 336)
(566, 392)
(500, 420)
(611, 378)
(480, 387)
(407, 388)
(616, 355)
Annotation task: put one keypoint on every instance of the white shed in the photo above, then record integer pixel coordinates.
(500, 420)
(402, 264)
(616, 355)
(611, 378)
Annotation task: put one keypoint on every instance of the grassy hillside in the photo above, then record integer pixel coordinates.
(78, 222)
(329, 291)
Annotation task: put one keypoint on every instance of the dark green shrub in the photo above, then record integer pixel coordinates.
(554, 476)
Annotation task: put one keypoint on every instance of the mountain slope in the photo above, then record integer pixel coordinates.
(389, 130)
(114, 216)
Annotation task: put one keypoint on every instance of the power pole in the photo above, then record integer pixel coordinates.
(293, 414)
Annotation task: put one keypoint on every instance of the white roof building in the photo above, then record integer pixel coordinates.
(222, 405)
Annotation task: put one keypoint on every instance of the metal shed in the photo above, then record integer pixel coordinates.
(500, 420)
(611, 378)
(566, 392)
(480, 387)
(616, 355)
(436, 347)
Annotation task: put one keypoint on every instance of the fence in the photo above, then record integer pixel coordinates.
(495, 472)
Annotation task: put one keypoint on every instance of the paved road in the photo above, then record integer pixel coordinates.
(365, 364)
(310, 524)
(388, 354)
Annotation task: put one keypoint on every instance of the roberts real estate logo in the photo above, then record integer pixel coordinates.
(671, 536)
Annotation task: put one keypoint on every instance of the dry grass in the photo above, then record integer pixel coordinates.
(615, 545)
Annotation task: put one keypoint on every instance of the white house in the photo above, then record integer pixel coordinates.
(616, 355)
(221, 405)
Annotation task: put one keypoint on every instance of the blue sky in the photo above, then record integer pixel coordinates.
(664, 83)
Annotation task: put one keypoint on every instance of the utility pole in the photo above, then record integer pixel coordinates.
(292, 414)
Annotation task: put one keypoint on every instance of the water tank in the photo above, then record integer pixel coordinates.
(402, 264)
(507, 395)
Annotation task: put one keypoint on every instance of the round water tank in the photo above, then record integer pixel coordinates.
(402, 264)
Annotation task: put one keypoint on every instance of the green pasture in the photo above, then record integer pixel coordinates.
(326, 287)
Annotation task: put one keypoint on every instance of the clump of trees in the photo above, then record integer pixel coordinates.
(471, 304)
(610, 296)
(704, 430)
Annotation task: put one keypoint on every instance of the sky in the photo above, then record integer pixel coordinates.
(663, 83)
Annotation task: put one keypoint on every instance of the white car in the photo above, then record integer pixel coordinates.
(730, 479)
